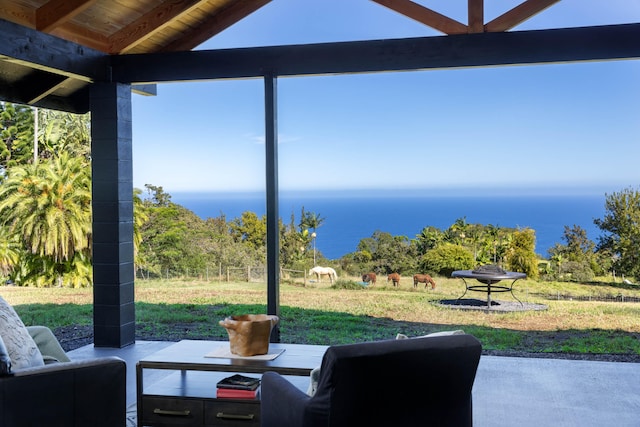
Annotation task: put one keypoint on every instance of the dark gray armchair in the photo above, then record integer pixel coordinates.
(63, 392)
(423, 381)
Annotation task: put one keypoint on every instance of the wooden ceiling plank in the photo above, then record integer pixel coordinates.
(564, 45)
(22, 15)
(54, 13)
(83, 36)
(148, 24)
(476, 16)
(215, 24)
(425, 16)
(518, 14)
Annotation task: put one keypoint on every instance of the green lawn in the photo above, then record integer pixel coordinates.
(320, 314)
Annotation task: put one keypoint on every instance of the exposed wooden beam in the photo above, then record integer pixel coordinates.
(459, 51)
(150, 23)
(48, 53)
(40, 85)
(518, 14)
(236, 11)
(425, 16)
(78, 103)
(146, 90)
(57, 12)
(475, 13)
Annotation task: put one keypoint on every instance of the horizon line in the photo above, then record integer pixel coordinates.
(414, 192)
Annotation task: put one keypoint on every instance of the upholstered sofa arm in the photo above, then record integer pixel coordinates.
(77, 393)
(284, 405)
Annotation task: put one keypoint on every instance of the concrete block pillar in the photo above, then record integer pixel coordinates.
(112, 202)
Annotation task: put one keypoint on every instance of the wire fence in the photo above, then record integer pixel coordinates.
(252, 274)
(559, 296)
(258, 274)
(565, 296)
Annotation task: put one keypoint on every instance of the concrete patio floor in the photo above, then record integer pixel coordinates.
(508, 391)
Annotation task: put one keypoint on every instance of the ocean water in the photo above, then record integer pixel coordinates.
(352, 216)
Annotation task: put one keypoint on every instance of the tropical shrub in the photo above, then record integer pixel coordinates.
(447, 258)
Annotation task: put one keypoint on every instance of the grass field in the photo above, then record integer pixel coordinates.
(316, 313)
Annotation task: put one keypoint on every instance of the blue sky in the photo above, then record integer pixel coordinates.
(565, 127)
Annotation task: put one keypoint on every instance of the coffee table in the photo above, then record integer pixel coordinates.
(187, 397)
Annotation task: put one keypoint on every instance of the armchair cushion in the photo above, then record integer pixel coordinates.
(48, 344)
(406, 382)
(21, 348)
(5, 360)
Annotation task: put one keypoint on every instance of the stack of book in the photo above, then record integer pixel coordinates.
(238, 387)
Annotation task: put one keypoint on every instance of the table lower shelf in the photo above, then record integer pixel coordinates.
(188, 398)
(182, 411)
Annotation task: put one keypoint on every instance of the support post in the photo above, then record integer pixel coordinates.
(112, 203)
(273, 231)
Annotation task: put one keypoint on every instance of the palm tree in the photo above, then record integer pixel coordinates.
(428, 239)
(457, 231)
(45, 203)
(310, 220)
(9, 252)
(49, 206)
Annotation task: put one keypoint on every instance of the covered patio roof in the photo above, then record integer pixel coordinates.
(53, 50)
(89, 55)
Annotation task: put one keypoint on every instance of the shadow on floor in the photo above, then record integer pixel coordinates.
(508, 391)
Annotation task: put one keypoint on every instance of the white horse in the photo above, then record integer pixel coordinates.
(324, 271)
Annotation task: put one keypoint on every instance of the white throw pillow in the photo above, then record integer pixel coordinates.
(21, 348)
(433, 334)
(314, 378)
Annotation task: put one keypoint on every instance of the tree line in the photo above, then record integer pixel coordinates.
(45, 225)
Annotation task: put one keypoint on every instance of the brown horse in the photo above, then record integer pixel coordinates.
(423, 278)
(395, 278)
(369, 278)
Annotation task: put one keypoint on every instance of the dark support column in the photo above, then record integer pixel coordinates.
(112, 200)
(273, 231)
